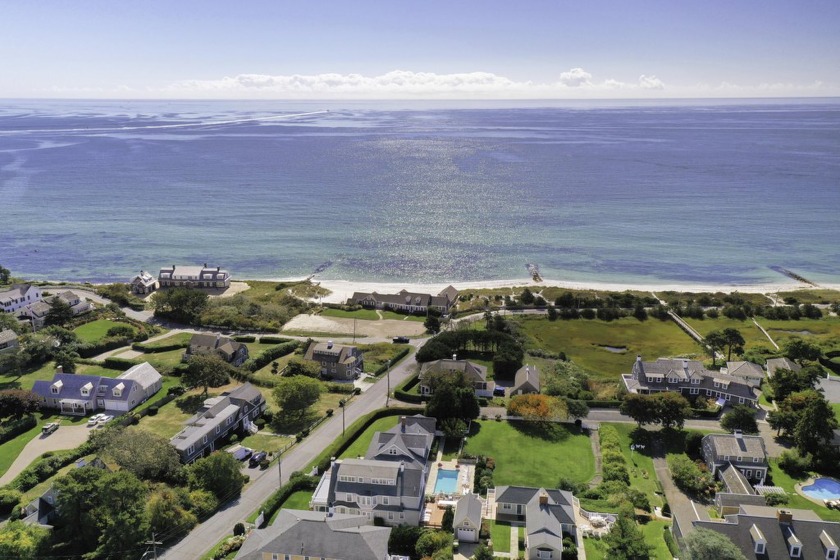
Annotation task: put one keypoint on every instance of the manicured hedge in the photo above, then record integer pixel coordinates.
(275, 340)
(271, 354)
(402, 392)
(119, 363)
(161, 348)
(245, 338)
(602, 404)
(17, 427)
(47, 465)
(275, 501)
(90, 349)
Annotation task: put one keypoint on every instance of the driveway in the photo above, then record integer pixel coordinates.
(66, 437)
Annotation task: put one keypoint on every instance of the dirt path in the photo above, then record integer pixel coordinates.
(66, 437)
(385, 328)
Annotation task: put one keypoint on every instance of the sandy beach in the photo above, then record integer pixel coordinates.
(341, 290)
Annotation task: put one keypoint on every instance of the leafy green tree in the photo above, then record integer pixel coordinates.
(526, 297)
(815, 426)
(508, 359)
(705, 544)
(640, 408)
(576, 409)
(483, 552)
(17, 403)
(453, 427)
(671, 409)
(8, 321)
(147, 455)
(66, 359)
(206, 370)
(431, 542)
(76, 503)
(786, 382)
(5, 275)
(219, 473)
(690, 476)
(166, 512)
(734, 342)
(295, 395)
(448, 518)
(452, 397)
(403, 541)
(19, 540)
(799, 349)
(625, 540)
(121, 513)
(60, 312)
(432, 324)
(741, 417)
(715, 341)
(182, 305)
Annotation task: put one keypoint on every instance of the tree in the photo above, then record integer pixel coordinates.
(431, 542)
(576, 408)
(121, 513)
(483, 552)
(625, 540)
(816, 425)
(60, 312)
(734, 341)
(76, 502)
(5, 275)
(526, 297)
(167, 515)
(689, 476)
(294, 395)
(66, 358)
(403, 540)
(799, 349)
(786, 381)
(539, 408)
(508, 358)
(448, 518)
(741, 417)
(452, 397)
(219, 473)
(206, 370)
(147, 455)
(19, 540)
(716, 342)
(180, 304)
(17, 403)
(453, 427)
(671, 409)
(639, 407)
(432, 324)
(705, 544)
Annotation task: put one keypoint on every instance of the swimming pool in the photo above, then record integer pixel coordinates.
(823, 489)
(447, 481)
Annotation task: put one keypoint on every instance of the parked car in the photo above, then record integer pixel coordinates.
(498, 391)
(241, 453)
(401, 340)
(103, 418)
(256, 458)
(94, 420)
(49, 428)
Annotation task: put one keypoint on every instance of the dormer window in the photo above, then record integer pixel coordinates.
(759, 542)
(55, 388)
(118, 389)
(831, 554)
(86, 389)
(796, 551)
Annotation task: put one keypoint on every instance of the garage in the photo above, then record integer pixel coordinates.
(467, 535)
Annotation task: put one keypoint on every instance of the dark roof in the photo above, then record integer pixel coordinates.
(734, 480)
(732, 446)
(469, 508)
(804, 525)
(71, 386)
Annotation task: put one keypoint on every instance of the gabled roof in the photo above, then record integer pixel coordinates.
(744, 369)
(330, 352)
(70, 386)
(781, 363)
(734, 480)
(527, 378)
(472, 372)
(468, 508)
(17, 291)
(7, 335)
(732, 446)
(143, 374)
(318, 535)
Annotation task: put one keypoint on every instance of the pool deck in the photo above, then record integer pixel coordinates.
(437, 503)
(811, 480)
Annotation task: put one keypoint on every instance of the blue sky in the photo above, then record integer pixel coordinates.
(431, 49)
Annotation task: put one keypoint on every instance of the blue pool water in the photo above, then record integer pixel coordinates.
(823, 489)
(447, 481)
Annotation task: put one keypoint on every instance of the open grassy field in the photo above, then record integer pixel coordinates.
(97, 370)
(262, 290)
(361, 443)
(836, 407)
(376, 355)
(812, 296)
(26, 381)
(178, 338)
(500, 535)
(825, 331)
(163, 361)
(266, 442)
(95, 330)
(585, 341)
(541, 455)
(639, 463)
(752, 334)
(782, 479)
(264, 373)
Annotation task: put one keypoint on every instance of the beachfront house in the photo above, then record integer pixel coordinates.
(229, 350)
(313, 535)
(389, 483)
(689, 378)
(746, 453)
(337, 361)
(36, 313)
(185, 276)
(219, 417)
(781, 363)
(549, 516)
(407, 302)
(475, 375)
(766, 532)
(19, 296)
(79, 395)
(143, 283)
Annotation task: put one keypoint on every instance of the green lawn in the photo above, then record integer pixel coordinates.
(836, 407)
(266, 442)
(299, 500)
(782, 479)
(361, 443)
(376, 355)
(179, 338)
(97, 370)
(163, 360)
(370, 315)
(584, 341)
(596, 549)
(752, 335)
(653, 531)
(639, 463)
(95, 330)
(500, 535)
(12, 448)
(264, 373)
(540, 456)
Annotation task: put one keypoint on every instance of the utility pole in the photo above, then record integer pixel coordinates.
(342, 403)
(280, 470)
(388, 377)
(154, 544)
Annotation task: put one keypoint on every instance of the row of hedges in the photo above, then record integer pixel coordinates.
(123, 364)
(91, 349)
(47, 465)
(245, 338)
(16, 427)
(159, 348)
(275, 340)
(298, 481)
(336, 448)
(402, 392)
(271, 354)
(399, 356)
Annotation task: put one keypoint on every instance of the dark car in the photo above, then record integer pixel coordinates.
(498, 391)
(401, 340)
(256, 458)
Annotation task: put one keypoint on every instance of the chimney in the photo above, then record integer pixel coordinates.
(402, 423)
(59, 369)
(685, 365)
(738, 434)
(402, 466)
(329, 344)
(218, 269)
(454, 357)
(784, 516)
(638, 358)
(173, 267)
(543, 499)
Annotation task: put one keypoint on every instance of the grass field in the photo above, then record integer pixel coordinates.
(266, 442)
(825, 331)
(11, 449)
(812, 296)
(264, 373)
(97, 370)
(653, 532)
(836, 407)
(782, 479)
(163, 360)
(500, 535)
(376, 355)
(584, 342)
(179, 338)
(361, 443)
(639, 463)
(752, 334)
(541, 455)
(95, 330)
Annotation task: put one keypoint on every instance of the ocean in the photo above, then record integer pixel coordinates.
(634, 192)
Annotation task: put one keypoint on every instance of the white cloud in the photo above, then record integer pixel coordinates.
(650, 82)
(575, 77)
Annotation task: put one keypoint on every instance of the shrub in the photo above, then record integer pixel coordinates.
(264, 464)
(329, 412)
(794, 464)
(177, 390)
(152, 411)
(14, 428)
(776, 499)
(245, 338)
(8, 500)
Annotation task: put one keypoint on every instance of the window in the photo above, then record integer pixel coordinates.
(191, 449)
(217, 429)
(831, 555)
(708, 392)
(694, 391)
(759, 548)
(740, 400)
(544, 554)
(755, 459)
(275, 557)
(740, 458)
(54, 390)
(748, 473)
(695, 381)
(795, 551)
(204, 439)
(385, 503)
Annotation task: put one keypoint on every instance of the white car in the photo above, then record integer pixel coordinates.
(105, 418)
(94, 420)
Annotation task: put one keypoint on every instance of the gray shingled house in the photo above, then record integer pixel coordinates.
(467, 521)
(231, 351)
(407, 302)
(746, 453)
(526, 381)
(337, 361)
(219, 417)
(767, 533)
(185, 276)
(8, 341)
(549, 515)
(475, 374)
(389, 483)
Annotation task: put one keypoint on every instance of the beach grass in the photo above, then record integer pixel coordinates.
(377, 355)
(585, 342)
(753, 337)
(821, 295)
(825, 331)
(542, 454)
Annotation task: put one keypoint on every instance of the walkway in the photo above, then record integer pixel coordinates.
(773, 342)
(65, 437)
(683, 509)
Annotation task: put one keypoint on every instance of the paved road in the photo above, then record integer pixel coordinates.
(264, 483)
(66, 437)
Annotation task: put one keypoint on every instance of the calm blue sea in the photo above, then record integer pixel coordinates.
(637, 192)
